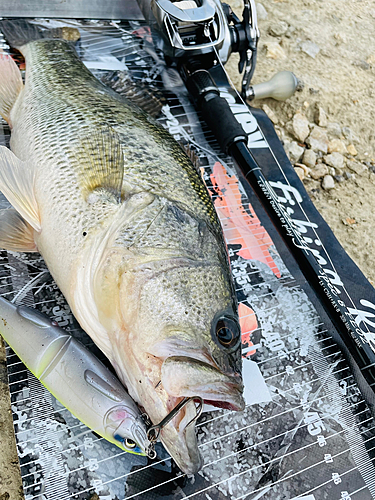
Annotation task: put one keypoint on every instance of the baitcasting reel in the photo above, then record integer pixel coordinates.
(196, 33)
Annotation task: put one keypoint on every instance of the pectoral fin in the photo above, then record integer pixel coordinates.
(17, 184)
(10, 84)
(15, 233)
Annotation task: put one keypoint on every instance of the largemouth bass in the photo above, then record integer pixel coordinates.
(127, 230)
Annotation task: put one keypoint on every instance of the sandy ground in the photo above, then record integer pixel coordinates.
(340, 78)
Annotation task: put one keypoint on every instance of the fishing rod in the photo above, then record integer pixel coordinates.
(197, 37)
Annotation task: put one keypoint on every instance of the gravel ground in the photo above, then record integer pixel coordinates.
(328, 45)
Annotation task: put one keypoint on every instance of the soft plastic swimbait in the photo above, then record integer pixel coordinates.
(75, 377)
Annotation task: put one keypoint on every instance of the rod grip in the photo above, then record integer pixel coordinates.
(220, 119)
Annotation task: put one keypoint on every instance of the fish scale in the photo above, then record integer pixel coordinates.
(127, 229)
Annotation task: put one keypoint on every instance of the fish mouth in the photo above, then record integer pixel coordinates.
(187, 377)
(183, 377)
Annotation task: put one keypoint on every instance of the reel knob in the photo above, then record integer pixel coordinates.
(280, 87)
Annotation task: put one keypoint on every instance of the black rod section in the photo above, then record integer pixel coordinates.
(312, 270)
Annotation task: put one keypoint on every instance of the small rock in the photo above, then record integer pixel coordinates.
(337, 146)
(318, 139)
(275, 51)
(321, 117)
(339, 178)
(362, 64)
(304, 168)
(334, 130)
(319, 171)
(309, 158)
(310, 48)
(278, 29)
(328, 182)
(356, 167)
(270, 113)
(348, 175)
(293, 151)
(351, 150)
(290, 31)
(349, 221)
(335, 160)
(300, 127)
(262, 14)
(349, 135)
(300, 172)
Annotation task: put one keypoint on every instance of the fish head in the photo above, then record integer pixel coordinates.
(183, 340)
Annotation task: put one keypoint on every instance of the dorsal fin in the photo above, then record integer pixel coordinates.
(147, 98)
(102, 163)
(192, 154)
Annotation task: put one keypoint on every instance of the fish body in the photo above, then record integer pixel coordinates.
(74, 376)
(129, 233)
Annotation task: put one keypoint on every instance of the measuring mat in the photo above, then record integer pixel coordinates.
(307, 431)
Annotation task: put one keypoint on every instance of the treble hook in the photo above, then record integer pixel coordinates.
(154, 431)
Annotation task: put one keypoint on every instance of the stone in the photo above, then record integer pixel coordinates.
(335, 160)
(328, 182)
(290, 31)
(339, 178)
(334, 130)
(270, 113)
(278, 28)
(319, 171)
(309, 158)
(294, 151)
(349, 135)
(321, 118)
(310, 48)
(348, 175)
(300, 172)
(318, 139)
(304, 168)
(262, 14)
(274, 51)
(356, 167)
(351, 150)
(337, 146)
(362, 64)
(300, 126)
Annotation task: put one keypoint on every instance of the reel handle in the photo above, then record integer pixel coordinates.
(280, 87)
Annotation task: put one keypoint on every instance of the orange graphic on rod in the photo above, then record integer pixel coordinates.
(241, 227)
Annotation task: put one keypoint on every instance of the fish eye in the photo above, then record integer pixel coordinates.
(227, 332)
(129, 443)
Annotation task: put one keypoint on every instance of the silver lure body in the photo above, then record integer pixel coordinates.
(75, 377)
